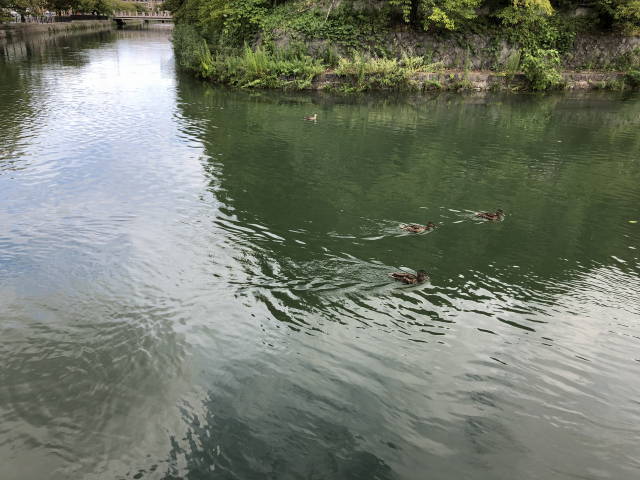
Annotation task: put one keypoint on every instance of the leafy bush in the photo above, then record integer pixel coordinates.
(359, 65)
(448, 14)
(533, 24)
(260, 68)
(629, 60)
(542, 69)
(343, 25)
(623, 14)
(192, 52)
(330, 56)
(372, 73)
(628, 15)
(525, 11)
(412, 63)
(632, 78)
(383, 73)
(512, 65)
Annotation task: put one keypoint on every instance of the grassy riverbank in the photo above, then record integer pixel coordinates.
(409, 45)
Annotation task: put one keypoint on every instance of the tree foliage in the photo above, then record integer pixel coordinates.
(627, 14)
(238, 20)
(542, 69)
(541, 30)
(525, 11)
(37, 7)
(434, 14)
(447, 14)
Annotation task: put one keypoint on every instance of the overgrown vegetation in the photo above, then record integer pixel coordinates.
(260, 68)
(285, 43)
(542, 69)
(247, 68)
(632, 78)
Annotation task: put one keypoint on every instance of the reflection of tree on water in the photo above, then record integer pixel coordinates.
(281, 179)
(15, 104)
(381, 160)
(58, 49)
(223, 444)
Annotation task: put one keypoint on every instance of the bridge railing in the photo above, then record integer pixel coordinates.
(162, 14)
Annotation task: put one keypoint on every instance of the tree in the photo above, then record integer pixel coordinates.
(626, 13)
(448, 14)
(59, 5)
(24, 7)
(442, 14)
(525, 11)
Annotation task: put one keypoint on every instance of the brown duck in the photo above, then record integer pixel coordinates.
(410, 278)
(417, 228)
(312, 118)
(493, 216)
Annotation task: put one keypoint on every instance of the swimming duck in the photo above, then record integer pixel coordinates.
(312, 118)
(498, 215)
(416, 228)
(410, 278)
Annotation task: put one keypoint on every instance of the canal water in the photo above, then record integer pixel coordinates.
(193, 281)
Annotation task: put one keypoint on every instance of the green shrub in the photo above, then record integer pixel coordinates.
(533, 24)
(542, 69)
(192, 52)
(632, 78)
(622, 14)
(627, 61)
(461, 85)
(512, 65)
(330, 56)
(359, 65)
(379, 73)
(412, 63)
(259, 68)
(448, 14)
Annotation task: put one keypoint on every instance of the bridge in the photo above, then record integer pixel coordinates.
(121, 17)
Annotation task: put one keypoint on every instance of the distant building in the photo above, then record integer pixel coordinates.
(152, 5)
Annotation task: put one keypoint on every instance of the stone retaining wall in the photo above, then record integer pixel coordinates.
(486, 81)
(483, 52)
(22, 31)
